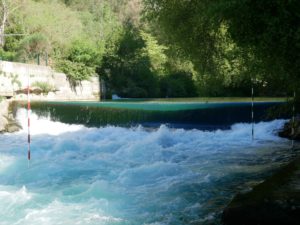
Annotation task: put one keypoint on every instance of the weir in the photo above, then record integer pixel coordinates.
(208, 116)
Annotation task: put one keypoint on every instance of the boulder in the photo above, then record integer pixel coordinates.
(3, 115)
(12, 127)
(7, 121)
(3, 123)
(286, 132)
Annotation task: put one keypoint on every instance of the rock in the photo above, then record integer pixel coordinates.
(3, 123)
(275, 201)
(7, 121)
(3, 115)
(13, 127)
(286, 132)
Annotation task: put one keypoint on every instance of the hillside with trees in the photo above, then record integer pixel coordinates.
(159, 48)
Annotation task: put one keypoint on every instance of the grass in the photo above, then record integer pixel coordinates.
(44, 86)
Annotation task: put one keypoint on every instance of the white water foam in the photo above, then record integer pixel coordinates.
(115, 175)
(42, 126)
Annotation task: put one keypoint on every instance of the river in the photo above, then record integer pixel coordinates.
(142, 173)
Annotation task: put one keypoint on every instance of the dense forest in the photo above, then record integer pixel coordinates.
(160, 48)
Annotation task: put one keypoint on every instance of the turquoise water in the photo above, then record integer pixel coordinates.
(161, 105)
(131, 175)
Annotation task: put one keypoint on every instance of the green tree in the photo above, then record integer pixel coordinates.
(235, 40)
(179, 84)
(271, 30)
(155, 52)
(33, 45)
(59, 24)
(80, 62)
(8, 8)
(128, 70)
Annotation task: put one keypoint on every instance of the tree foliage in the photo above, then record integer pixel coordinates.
(58, 23)
(76, 71)
(159, 48)
(128, 69)
(234, 40)
(72, 33)
(33, 45)
(271, 29)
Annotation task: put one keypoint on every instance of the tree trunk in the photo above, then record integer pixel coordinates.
(2, 37)
(3, 23)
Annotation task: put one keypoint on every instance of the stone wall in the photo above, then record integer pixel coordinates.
(14, 78)
(7, 120)
(3, 115)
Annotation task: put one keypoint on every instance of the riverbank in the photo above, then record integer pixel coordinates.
(275, 201)
(7, 121)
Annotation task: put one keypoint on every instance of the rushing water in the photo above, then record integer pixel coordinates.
(131, 175)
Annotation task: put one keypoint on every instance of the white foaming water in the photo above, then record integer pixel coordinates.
(115, 175)
(42, 125)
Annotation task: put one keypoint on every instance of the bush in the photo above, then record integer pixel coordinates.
(80, 62)
(44, 86)
(7, 56)
(84, 52)
(75, 71)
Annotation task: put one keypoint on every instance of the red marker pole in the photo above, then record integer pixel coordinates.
(28, 116)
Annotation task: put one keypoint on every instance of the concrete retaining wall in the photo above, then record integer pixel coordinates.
(14, 78)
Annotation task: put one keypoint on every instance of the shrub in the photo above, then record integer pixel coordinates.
(44, 86)
(75, 71)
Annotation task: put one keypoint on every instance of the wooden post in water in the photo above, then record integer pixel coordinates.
(252, 110)
(293, 119)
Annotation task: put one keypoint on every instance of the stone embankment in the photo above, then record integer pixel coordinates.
(7, 121)
(275, 201)
(45, 83)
